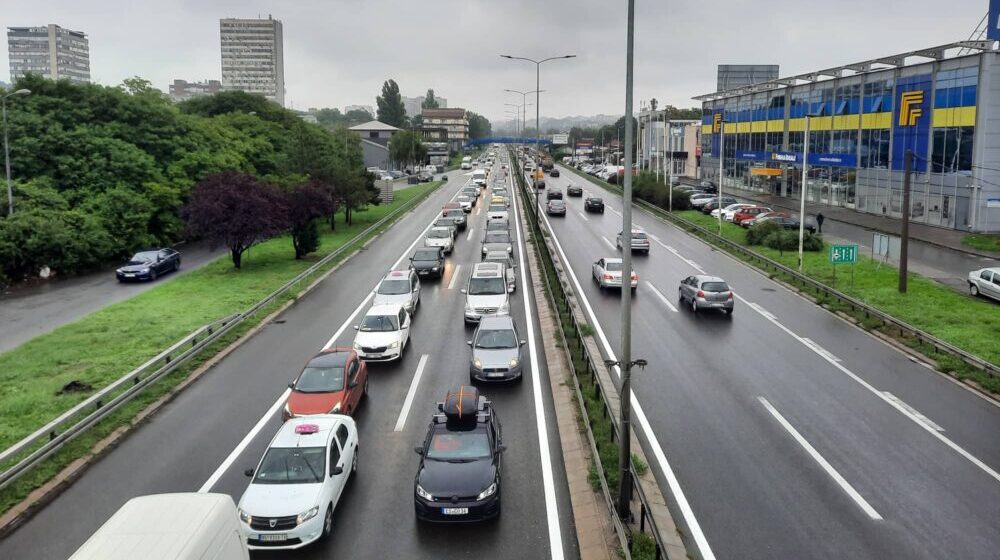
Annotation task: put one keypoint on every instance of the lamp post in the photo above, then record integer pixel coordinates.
(6, 150)
(722, 160)
(805, 186)
(524, 102)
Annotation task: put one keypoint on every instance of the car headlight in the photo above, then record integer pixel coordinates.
(335, 409)
(513, 362)
(119, 271)
(303, 517)
(357, 346)
(504, 307)
(492, 489)
(435, 268)
(395, 344)
(245, 517)
(477, 363)
(424, 494)
(144, 271)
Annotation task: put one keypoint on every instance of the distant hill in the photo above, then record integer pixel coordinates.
(559, 123)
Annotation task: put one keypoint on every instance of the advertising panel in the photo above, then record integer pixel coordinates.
(911, 121)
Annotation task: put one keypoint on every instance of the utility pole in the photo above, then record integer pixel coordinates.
(670, 169)
(802, 194)
(625, 360)
(722, 159)
(904, 242)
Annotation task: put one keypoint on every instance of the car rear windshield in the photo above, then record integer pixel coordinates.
(379, 323)
(495, 339)
(439, 233)
(497, 237)
(454, 213)
(486, 286)
(144, 257)
(613, 266)
(715, 287)
(320, 379)
(292, 465)
(638, 236)
(394, 287)
(459, 446)
(425, 255)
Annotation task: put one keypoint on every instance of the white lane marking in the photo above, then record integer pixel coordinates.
(836, 476)
(689, 262)
(913, 411)
(608, 241)
(661, 296)
(408, 401)
(661, 458)
(819, 349)
(469, 236)
(548, 480)
(583, 216)
(231, 458)
(614, 211)
(454, 276)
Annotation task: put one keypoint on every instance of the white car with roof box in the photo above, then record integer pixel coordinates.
(297, 484)
(486, 292)
(440, 237)
(383, 333)
(399, 287)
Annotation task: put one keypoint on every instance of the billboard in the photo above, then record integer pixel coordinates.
(993, 24)
(560, 139)
(912, 121)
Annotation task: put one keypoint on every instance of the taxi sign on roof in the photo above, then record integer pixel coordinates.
(306, 428)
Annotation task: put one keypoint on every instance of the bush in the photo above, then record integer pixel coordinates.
(788, 240)
(759, 232)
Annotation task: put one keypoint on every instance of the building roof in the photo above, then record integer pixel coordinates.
(456, 113)
(374, 125)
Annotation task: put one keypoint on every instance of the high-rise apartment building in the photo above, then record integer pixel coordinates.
(50, 51)
(252, 57)
(414, 105)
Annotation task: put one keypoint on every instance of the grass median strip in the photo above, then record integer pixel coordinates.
(105, 345)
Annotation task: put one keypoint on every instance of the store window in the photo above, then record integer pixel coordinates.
(875, 148)
(952, 149)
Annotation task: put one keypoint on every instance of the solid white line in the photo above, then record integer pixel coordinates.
(469, 236)
(405, 411)
(608, 241)
(613, 210)
(913, 411)
(583, 216)
(661, 296)
(454, 276)
(844, 485)
(661, 458)
(244, 443)
(548, 480)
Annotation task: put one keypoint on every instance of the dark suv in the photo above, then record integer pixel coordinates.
(428, 261)
(554, 194)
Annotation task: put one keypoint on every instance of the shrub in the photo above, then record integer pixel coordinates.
(758, 232)
(782, 240)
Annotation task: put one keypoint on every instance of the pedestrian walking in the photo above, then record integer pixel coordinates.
(819, 222)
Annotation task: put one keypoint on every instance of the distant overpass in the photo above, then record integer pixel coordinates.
(505, 140)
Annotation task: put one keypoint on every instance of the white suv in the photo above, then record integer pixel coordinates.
(486, 293)
(297, 484)
(383, 333)
(400, 287)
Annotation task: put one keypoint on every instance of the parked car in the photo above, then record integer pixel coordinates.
(574, 190)
(748, 213)
(332, 382)
(698, 200)
(425, 176)
(148, 265)
(555, 208)
(706, 292)
(553, 193)
(985, 282)
(496, 351)
(607, 272)
(792, 224)
(728, 211)
(383, 333)
(763, 217)
(554, 172)
(593, 204)
(639, 242)
(428, 261)
(714, 203)
(708, 186)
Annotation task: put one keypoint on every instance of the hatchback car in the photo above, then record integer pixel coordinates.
(457, 215)
(333, 382)
(553, 194)
(428, 261)
(383, 333)
(706, 292)
(607, 272)
(574, 190)
(497, 241)
(440, 237)
(465, 202)
(711, 205)
(555, 208)
(640, 242)
(447, 223)
(297, 484)
(400, 287)
(594, 204)
(458, 478)
(496, 351)
(497, 225)
(148, 265)
(985, 282)
(748, 213)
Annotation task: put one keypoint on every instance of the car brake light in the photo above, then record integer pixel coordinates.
(700, 294)
(730, 295)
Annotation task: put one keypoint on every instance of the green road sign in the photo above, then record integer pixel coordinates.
(844, 254)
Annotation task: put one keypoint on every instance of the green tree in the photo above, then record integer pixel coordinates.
(429, 101)
(406, 147)
(391, 110)
(479, 126)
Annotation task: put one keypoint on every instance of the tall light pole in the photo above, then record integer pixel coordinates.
(6, 150)
(524, 101)
(802, 193)
(722, 159)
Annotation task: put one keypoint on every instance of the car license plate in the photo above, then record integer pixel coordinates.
(495, 374)
(455, 511)
(129, 275)
(374, 356)
(273, 537)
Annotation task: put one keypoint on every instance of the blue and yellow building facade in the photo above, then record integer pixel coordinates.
(941, 103)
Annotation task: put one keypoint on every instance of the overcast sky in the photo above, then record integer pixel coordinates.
(338, 52)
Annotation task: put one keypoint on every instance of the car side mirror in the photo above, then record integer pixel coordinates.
(523, 342)
(501, 448)
(248, 472)
(355, 327)
(336, 471)
(291, 384)
(464, 291)
(418, 450)
(510, 289)
(469, 342)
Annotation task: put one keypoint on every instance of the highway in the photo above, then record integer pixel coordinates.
(206, 437)
(791, 433)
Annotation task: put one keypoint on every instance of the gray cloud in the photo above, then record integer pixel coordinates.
(339, 52)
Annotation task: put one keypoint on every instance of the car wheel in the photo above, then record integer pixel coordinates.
(152, 275)
(694, 306)
(327, 522)
(177, 266)
(729, 313)
(974, 290)
(680, 296)
(354, 463)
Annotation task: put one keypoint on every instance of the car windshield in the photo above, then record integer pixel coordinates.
(715, 287)
(596, 200)
(320, 379)
(459, 446)
(444, 222)
(379, 323)
(463, 199)
(613, 266)
(292, 465)
(486, 286)
(495, 339)
(497, 237)
(439, 233)
(454, 214)
(144, 257)
(394, 287)
(425, 256)
(497, 208)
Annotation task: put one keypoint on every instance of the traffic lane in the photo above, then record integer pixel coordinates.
(30, 311)
(968, 419)
(181, 446)
(851, 438)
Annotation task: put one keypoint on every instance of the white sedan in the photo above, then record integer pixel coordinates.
(295, 488)
(985, 282)
(383, 333)
(608, 273)
(440, 237)
(729, 211)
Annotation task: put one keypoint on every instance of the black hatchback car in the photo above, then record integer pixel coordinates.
(553, 194)
(574, 190)
(593, 204)
(148, 265)
(458, 479)
(554, 172)
(428, 261)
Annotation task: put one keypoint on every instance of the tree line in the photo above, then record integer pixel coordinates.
(101, 172)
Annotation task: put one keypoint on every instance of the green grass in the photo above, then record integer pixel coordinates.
(106, 344)
(983, 241)
(643, 546)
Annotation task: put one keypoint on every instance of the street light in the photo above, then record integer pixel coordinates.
(805, 185)
(524, 102)
(722, 159)
(6, 150)
(538, 102)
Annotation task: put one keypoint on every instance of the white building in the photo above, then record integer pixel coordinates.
(252, 57)
(414, 105)
(52, 51)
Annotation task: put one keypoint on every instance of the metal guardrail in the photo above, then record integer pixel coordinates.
(905, 329)
(645, 515)
(78, 419)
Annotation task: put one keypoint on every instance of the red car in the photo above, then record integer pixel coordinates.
(333, 382)
(747, 213)
(750, 222)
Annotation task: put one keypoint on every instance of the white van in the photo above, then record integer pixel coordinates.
(186, 526)
(467, 162)
(479, 177)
